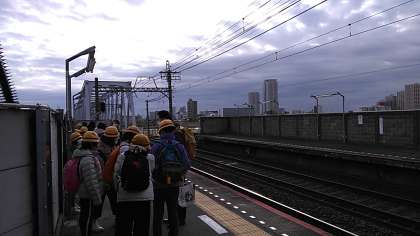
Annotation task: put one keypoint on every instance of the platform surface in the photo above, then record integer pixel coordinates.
(219, 210)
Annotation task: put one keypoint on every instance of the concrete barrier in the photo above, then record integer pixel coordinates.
(395, 128)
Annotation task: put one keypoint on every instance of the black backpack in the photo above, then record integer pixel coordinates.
(135, 175)
(169, 166)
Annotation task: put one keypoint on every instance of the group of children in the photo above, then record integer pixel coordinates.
(134, 174)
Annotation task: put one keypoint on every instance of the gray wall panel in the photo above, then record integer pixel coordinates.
(55, 172)
(15, 198)
(16, 136)
(23, 230)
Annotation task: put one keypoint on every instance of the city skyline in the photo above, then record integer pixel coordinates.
(35, 31)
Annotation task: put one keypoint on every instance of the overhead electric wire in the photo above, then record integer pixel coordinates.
(243, 33)
(275, 54)
(311, 48)
(208, 41)
(256, 36)
(351, 75)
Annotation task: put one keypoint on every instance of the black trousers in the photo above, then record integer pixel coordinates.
(112, 196)
(86, 216)
(69, 199)
(170, 197)
(133, 218)
(182, 214)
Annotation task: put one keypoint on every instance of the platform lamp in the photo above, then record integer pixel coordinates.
(89, 68)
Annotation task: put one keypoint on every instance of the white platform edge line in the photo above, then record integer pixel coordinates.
(213, 224)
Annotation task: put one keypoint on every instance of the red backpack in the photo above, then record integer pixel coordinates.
(71, 175)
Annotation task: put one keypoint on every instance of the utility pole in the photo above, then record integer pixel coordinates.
(169, 76)
(97, 110)
(147, 118)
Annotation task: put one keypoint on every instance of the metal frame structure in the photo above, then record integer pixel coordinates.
(117, 97)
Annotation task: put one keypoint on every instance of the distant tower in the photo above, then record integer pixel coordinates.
(192, 109)
(271, 97)
(254, 101)
(412, 96)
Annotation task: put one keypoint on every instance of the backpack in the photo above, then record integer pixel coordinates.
(135, 175)
(186, 137)
(108, 172)
(170, 168)
(71, 175)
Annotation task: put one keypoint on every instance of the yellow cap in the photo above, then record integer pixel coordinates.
(90, 136)
(78, 126)
(132, 129)
(111, 132)
(141, 140)
(75, 136)
(165, 123)
(83, 130)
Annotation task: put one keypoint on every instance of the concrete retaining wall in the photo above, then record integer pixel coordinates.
(391, 177)
(395, 128)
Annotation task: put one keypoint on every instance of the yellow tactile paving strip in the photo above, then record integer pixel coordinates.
(236, 224)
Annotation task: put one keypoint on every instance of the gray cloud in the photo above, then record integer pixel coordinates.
(379, 49)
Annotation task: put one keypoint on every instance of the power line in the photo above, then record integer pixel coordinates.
(275, 54)
(209, 41)
(244, 32)
(256, 36)
(352, 75)
(308, 49)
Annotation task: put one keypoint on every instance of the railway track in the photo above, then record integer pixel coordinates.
(392, 212)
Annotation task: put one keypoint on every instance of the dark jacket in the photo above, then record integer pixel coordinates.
(170, 138)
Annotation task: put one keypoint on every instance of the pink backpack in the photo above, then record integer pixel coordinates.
(71, 175)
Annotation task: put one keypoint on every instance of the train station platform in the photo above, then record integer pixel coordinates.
(389, 155)
(219, 210)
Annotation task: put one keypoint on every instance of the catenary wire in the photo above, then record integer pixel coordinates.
(308, 49)
(274, 54)
(256, 36)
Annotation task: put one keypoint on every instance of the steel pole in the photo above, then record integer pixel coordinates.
(128, 110)
(169, 78)
(68, 93)
(147, 118)
(97, 99)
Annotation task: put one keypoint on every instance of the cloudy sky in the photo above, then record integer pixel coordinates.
(134, 39)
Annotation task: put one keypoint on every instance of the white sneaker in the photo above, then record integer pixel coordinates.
(96, 228)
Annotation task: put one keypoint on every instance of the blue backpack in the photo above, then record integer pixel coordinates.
(169, 166)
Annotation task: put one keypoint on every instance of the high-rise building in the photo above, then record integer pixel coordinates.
(271, 97)
(400, 100)
(182, 113)
(192, 109)
(391, 101)
(254, 101)
(412, 96)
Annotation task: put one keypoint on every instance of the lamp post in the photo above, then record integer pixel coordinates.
(342, 96)
(89, 68)
(250, 107)
(317, 102)
(316, 97)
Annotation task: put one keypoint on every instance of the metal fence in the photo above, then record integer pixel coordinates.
(31, 151)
